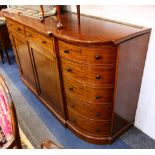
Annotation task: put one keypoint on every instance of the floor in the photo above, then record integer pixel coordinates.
(38, 123)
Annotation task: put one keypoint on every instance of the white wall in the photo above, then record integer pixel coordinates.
(145, 16)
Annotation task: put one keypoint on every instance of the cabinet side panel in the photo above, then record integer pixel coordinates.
(132, 54)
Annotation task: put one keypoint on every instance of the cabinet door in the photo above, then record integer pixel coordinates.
(24, 61)
(46, 69)
(14, 49)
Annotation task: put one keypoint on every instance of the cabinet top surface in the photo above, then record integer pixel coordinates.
(91, 30)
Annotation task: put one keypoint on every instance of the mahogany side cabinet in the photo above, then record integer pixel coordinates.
(87, 75)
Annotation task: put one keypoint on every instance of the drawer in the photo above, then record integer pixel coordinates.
(88, 93)
(44, 41)
(92, 111)
(87, 55)
(94, 74)
(92, 127)
(15, 27)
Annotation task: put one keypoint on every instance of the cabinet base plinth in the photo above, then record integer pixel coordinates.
(97, 139)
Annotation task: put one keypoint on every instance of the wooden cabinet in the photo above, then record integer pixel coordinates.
(89, 78)
(47, 77)
(23, 59)
(38, 65)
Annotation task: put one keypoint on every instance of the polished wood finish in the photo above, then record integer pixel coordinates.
(130, 72)
(100, 74)
(93, 31)
(89, 93)
(88, 55)
(15, 27)
(45, 65)
(91, 111)
(92, 127)
(40, 39)
(23, 58)
(90, 79)
(59, 24)
(42, 12)
(78, 13)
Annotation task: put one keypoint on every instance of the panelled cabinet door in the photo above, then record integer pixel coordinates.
(24, 61)
(14, 49)
(46, 70)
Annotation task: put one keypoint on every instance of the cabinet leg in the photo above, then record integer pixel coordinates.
(58, 8)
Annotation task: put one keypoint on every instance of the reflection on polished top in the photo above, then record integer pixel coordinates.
(91, 31)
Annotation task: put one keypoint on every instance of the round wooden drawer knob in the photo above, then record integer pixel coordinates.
(73, 120)
(44, 42)
(66, 51)
(98, 97)
(69, 69)
(70, 88)
(98, 130)
(98, 77)
(97, 114)
(72, 105)
(18, 29)
(97, 57)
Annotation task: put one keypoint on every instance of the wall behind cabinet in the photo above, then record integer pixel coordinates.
(145, 16)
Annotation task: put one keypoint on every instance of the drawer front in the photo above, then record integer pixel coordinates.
(87, 55)
(15, 27)
(92, 127)
(93, 74)
(92, 111)
(45, 42)
(88, 93)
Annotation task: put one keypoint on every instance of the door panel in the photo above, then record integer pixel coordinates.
(47, 77)
(24, 62)
(14, 49)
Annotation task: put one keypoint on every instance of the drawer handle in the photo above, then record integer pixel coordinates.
(66, 51)
(69, 69)
(72, 105)
(97, 114)
(44, 42)
(30, 35)
(97, 57)
(70, 88)
(98, 77)
(73, 120)
(18, 29)
(98, 130)
(98, 97)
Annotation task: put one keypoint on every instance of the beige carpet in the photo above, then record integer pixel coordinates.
(26, 144)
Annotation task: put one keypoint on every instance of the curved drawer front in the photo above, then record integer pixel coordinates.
(92, 127)
(87, 55)
(92, 111)
(94, 74)
(88, 93)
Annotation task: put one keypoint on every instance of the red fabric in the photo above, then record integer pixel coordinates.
(5, 117)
